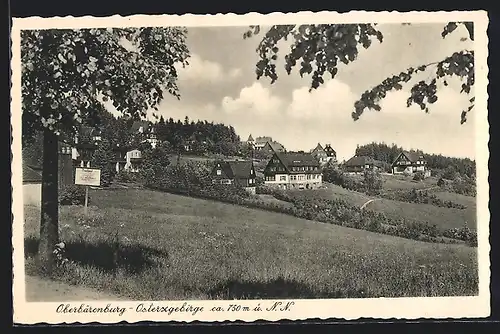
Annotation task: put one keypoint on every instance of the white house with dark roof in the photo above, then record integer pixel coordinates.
(409, 163)
(293, 171)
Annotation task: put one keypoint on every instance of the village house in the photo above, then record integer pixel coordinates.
(32, 175)
(293, 171)
(260, 142)
(241, 173)
(330, 154)
(127, 159)
(251, 141)
(324, 155)
(146, 130)
(320, 154)
(272, 146)
(86, 142)
(358, 164)
(409, 163)
(32, 184)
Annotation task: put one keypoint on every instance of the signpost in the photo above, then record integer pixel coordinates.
(87, 177)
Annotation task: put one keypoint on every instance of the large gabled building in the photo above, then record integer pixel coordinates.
(293, 171)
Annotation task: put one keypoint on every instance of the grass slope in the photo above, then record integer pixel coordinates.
(444, 218)
(175, 247)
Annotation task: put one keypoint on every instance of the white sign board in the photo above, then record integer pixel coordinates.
(88, 176)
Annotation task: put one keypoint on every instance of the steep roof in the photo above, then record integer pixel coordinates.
(329, 150)
(240, 169)
(318, 148)
(31, 174)
(250, 138)
(275, 146)
(263, 139)
(292, 159)
(359, 161)
(413, 156)
(237, 169)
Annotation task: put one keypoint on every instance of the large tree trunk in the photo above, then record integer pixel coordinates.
(49, 230)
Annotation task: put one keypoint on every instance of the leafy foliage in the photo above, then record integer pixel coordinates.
(319, 49)
(372, 181)
(72, 195)
(103, 159)
(64, 72)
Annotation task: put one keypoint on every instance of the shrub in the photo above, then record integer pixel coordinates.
(72, 195)
(463, 233)
(418, 176)
(421, 197)
(372, 182)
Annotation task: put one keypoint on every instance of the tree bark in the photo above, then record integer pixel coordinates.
(49, 229)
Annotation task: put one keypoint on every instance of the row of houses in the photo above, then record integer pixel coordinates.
(405, 163)
(285, 170)
(298, 170)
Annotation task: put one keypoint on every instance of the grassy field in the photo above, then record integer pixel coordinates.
(332, 191)
(175, 247)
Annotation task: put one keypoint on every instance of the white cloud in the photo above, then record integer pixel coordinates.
(333, 99)
(206, 71)
(324, 115)
(255, 99)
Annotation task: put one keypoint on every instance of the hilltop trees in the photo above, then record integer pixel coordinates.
(319, 48)
(66, 74)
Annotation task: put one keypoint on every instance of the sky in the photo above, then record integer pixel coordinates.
(220, 85)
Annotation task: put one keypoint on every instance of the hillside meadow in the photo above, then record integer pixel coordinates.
(143, 244)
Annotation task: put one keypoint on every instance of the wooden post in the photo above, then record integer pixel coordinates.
(86, 200)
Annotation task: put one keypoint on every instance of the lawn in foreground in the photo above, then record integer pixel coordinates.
(175, 247)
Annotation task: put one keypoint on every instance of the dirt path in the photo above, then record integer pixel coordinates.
(368, 202)
(43, 290)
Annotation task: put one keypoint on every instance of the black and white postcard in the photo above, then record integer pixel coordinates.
(250, 167)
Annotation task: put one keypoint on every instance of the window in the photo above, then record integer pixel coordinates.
(250, 181)
(308, 176)
(283, 178)
(251, 171)
(219, 172)
(273, 169)
(293, 177)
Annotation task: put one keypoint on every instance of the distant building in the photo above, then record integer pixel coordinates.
(324, 155)
(410, 162)
(358, 164)
(250, 140)
(320, 154)
(241, 173)
(127, 159)
(260, 142)
(86, 142)
(147, 130)
(293, 171)
(272, 146)
(330, 153)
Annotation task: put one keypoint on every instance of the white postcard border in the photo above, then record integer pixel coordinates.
(382, 308)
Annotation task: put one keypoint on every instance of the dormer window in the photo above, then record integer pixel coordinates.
(219, 172)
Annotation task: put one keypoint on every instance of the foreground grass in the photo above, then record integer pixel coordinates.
(143, 244)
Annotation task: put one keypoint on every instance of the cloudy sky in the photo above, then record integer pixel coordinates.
(220, 85)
